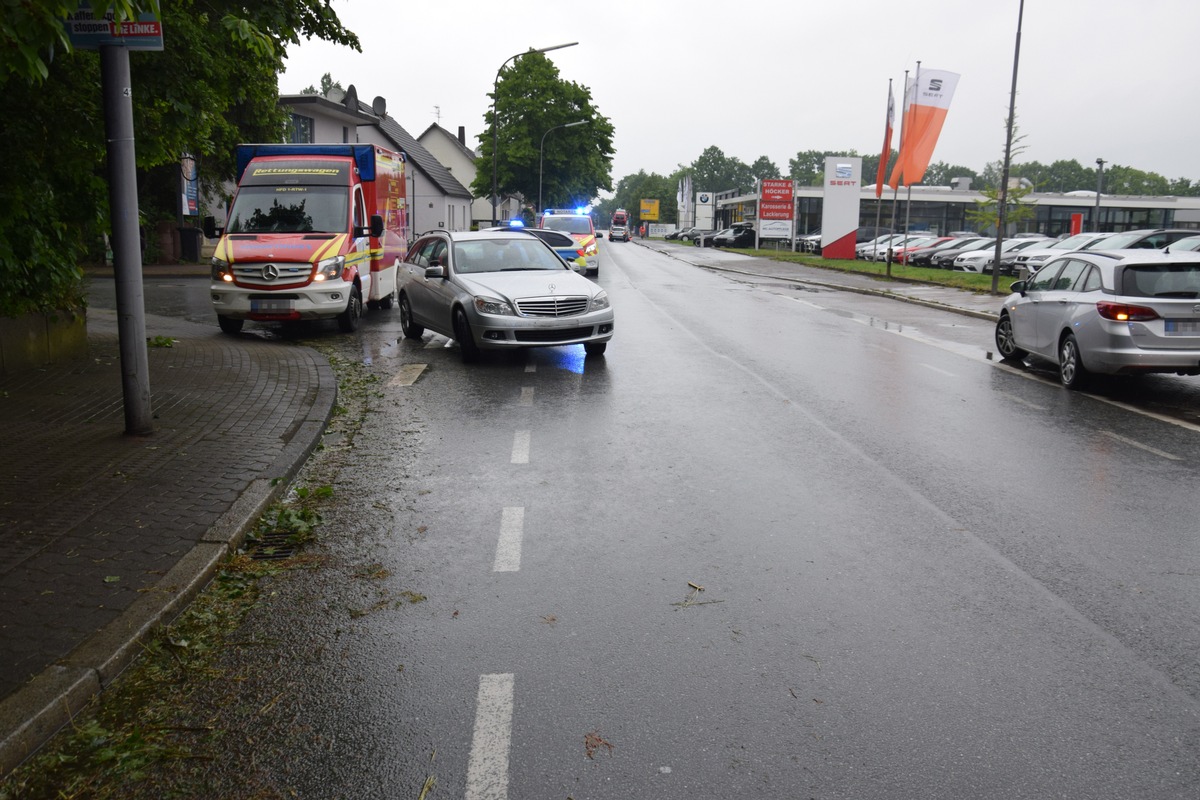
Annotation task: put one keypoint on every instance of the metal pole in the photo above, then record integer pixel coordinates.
(496, 122)
(1002, 195)
(127, 251)
(1099, 188)
(541, 148)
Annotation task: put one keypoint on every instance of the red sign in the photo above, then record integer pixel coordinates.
(775, 199)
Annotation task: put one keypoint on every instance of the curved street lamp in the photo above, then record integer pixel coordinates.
(496, 122)
(542, 147)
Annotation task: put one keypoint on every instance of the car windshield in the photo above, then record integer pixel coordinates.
(503, 255)
(1161, 280)
(290, 209)
(1190, 243)
(568, 224)
(1074, 242)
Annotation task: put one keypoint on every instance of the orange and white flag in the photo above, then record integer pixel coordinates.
(928, 100)
(887, 143)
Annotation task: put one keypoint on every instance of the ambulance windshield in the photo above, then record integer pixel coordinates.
(290, 209)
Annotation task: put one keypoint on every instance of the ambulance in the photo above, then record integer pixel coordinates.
(579, 225)
(316, 231)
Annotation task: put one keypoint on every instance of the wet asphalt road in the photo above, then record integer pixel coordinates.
(924, 574)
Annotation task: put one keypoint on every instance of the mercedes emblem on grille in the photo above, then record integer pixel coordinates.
(552, 288)
(270, 272)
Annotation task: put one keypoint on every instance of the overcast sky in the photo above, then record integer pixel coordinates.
(1107, 79)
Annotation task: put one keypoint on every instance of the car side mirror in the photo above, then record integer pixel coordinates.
(376, 225)
(436, 270)
(210, 228)
(1019, 287)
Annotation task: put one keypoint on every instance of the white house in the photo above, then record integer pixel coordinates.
(452, 151)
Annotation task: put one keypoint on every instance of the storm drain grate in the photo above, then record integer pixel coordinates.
(273, 546)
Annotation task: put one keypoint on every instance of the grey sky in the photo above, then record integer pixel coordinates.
(1098, 78)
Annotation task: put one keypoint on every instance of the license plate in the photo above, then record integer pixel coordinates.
(272, 306)
(1182, 327)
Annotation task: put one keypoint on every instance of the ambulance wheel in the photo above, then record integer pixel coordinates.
(348, 320)
(229, 324)
(387, 302)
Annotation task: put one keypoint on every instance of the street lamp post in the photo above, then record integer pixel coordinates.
(1099, 187)
(542, 147)
(496, 122)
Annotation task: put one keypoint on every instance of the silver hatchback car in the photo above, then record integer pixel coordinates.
(498, 290)
(1111, 312)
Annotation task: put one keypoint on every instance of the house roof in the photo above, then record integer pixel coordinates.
(423, 159)
(466, 151)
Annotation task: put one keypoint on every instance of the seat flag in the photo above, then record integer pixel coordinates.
(927, 101)
(881, 172)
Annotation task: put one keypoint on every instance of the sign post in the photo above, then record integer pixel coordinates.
(113, 40)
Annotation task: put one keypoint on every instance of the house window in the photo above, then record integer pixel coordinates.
(301, 130)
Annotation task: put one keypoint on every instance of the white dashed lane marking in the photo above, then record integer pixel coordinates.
(526, 396)
(520, 450)
(407, 375)
(487, 770)
(1140, 446)
(508, 548)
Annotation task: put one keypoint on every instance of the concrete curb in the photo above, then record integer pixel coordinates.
(33, 714)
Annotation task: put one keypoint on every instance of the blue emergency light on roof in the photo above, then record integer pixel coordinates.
(516, 223)
(581, 210)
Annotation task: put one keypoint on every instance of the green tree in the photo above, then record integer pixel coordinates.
(33, 32)
(212, 86)
(985, 215)
(713, 171)
(939, 173)
(328, 84)
(531, 99)
(764, 168)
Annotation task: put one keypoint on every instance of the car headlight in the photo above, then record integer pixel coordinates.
(220, 270)
(330, 269)
(493, 306)
(600, 301)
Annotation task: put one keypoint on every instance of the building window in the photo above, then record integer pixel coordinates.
(301, 130)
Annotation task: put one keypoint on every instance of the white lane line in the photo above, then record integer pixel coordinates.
(531, 367)
(487, 770)
(407, 375)
(1140, 446)
(520, 451)
(508, 548)
(526, 396)
(1022, 401)
(942, 371)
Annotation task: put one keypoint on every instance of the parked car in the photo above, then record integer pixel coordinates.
(706, 239)
(904, 252)
(923, 257)
(945, 258)
(981, 260)
(690, 234)
(868, 249)
(1032, 259)
(1112, 312)
(1189, 244)
(913, 242)
(1155, 239)
(499, 290)
(735, 237)
(566, 247)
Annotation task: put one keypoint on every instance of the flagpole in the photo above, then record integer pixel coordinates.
(898, 169)
(882, 169)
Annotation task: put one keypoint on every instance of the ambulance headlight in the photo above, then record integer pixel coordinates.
(220, 271)
(330, 269)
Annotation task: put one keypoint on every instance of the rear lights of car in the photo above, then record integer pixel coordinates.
(1123, 312)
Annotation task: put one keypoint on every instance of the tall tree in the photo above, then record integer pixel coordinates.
(764, 168)
(713, 171)
(328, 84)
(530, 100)
(212, 86)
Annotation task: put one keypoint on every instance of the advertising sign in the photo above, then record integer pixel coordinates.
(649, 211)
(705, 202)
(840, 206)
(776, 199)
(85, 32)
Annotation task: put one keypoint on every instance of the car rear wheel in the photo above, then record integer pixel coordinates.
(411, 329)
(1070, 365)
(466, 340)
(1005, 343)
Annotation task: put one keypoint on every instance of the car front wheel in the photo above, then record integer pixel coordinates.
(1005, 343)
(411, 329)
(466, 340)
(229, 324)
(1070, 365)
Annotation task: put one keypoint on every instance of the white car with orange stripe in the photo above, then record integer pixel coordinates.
(580, 228)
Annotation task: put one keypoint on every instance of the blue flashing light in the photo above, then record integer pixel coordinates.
(581, 210)
(516, 223)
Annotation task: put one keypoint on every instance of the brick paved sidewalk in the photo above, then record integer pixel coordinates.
(103, 534)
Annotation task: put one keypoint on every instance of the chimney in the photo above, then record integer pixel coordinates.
(462, 135)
